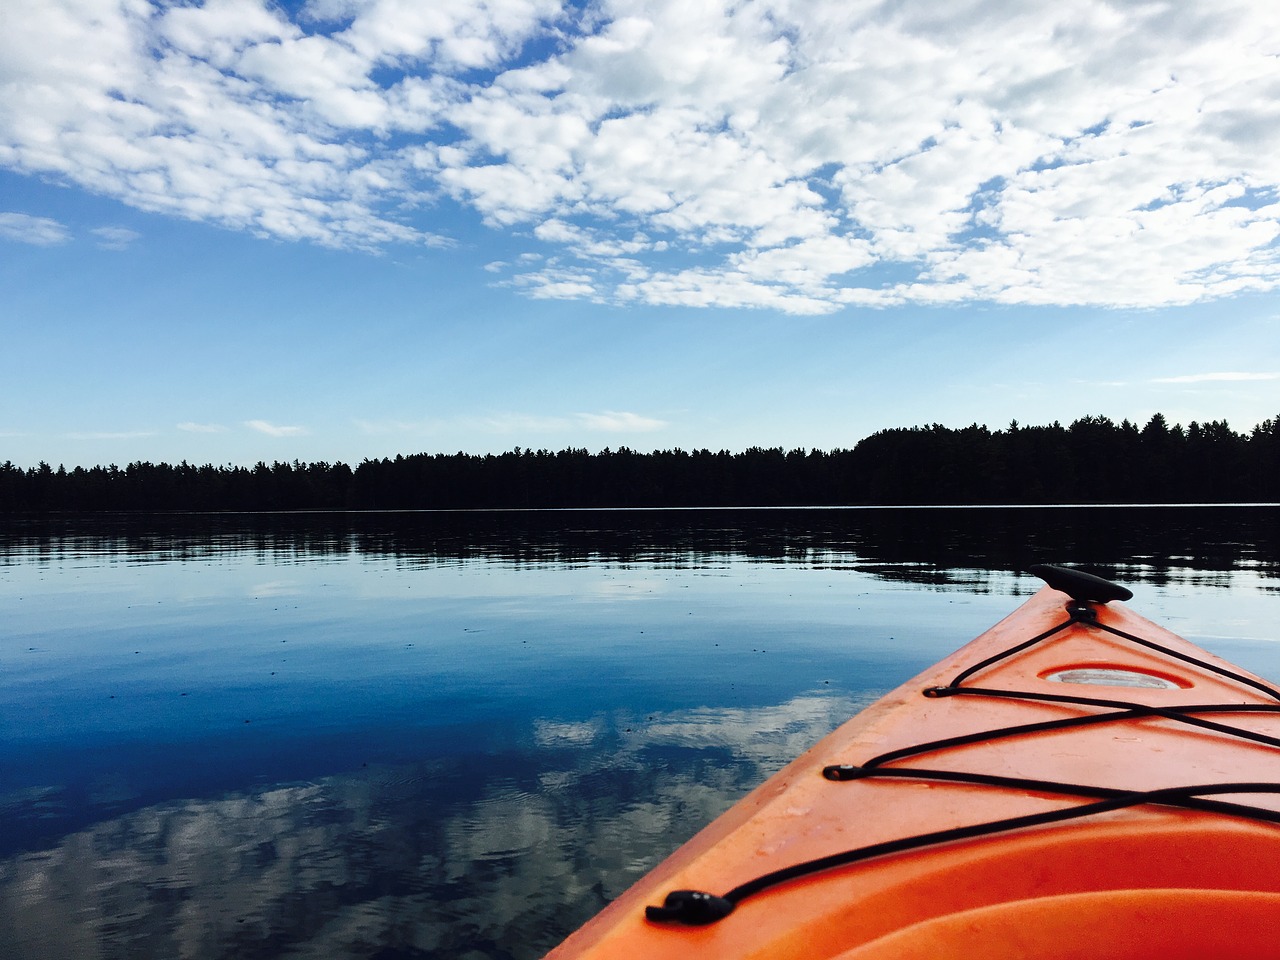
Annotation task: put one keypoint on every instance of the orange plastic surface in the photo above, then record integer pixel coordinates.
(1175, 924)
(1125, 869)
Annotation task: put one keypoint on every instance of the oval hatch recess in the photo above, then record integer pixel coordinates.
(1108, 676)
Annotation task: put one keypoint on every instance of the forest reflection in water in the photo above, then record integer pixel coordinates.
(1159, 540)
(486, 725)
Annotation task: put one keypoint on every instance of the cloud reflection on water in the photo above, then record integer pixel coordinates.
(479, 856)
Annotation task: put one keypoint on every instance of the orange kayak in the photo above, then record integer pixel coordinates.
(1077, 782)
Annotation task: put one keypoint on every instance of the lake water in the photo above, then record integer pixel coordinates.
(459, 735)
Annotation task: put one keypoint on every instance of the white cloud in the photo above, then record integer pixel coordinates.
(615, 421)
(115, 238)
(275, 430)
(796, 157)
(606, 421)
(1218, 377)
(610, 421)
(499, 423)
(554, 284)
(38, 231)
(190, 427)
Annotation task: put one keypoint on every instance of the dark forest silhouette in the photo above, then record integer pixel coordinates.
(1094, 460)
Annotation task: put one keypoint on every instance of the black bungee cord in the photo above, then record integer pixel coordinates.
(698, 908)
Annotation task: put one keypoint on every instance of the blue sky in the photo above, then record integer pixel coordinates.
(233, 231)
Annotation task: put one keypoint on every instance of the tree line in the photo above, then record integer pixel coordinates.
(1093, 460)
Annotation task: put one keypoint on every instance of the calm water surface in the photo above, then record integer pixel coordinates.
(437, 735)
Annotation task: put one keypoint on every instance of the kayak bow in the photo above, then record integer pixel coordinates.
(1076, 782)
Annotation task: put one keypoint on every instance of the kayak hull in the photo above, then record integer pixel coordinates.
(1151, 924)
(1125, 867)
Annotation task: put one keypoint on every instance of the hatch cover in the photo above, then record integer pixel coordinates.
(1104, 676)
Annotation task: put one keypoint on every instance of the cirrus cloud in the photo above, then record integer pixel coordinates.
(37, 231)
(607, 421)
(614, 421)
(115, 238)
(191, 427)
(795, 157)
(272, 429)
(1228, 377)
